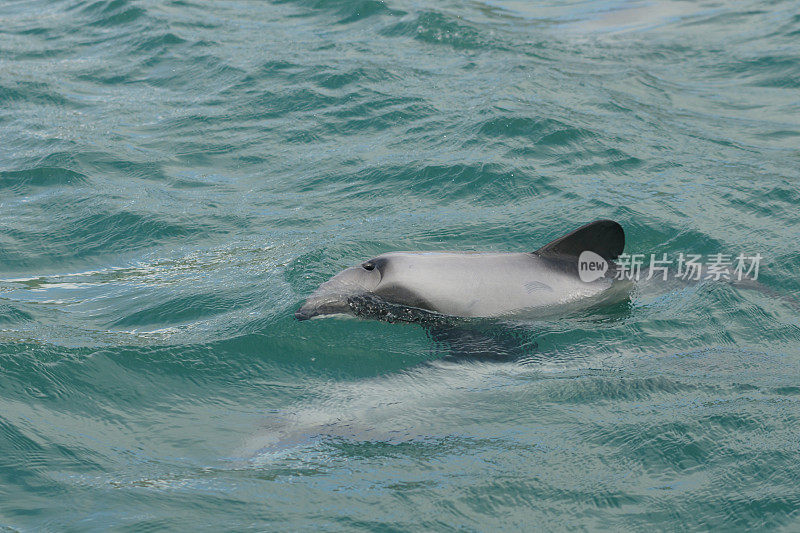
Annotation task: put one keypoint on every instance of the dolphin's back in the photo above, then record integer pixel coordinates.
(480, 284)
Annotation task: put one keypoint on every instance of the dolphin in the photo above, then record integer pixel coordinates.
(415, 286)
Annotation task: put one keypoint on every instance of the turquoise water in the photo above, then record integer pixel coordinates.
(177, 176)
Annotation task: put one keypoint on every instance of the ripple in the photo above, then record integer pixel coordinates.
(20, 180)
(87, 234)
(177, 310)
(541, 131)
(347, 11)
(10, 314)
(436, 28)
(107, 13)
(26, 92)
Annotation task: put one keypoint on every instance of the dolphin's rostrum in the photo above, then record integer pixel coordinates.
(407, 286)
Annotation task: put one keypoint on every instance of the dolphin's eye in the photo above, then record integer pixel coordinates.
(368, 265)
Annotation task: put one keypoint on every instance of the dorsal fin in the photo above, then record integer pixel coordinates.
(603, 237)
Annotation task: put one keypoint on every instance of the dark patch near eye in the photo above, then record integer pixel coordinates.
(372, 264)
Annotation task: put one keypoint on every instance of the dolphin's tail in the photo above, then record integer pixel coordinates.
(754, 285)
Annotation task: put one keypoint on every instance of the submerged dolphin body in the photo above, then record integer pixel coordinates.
(412, 286)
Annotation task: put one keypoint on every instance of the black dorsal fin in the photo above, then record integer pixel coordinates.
(603, 237)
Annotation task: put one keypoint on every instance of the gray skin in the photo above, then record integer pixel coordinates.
(462, 284)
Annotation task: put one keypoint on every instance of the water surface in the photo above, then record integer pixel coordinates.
(175, 177)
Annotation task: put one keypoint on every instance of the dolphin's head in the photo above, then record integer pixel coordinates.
(336, 295)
